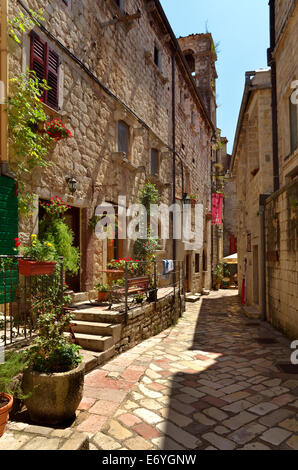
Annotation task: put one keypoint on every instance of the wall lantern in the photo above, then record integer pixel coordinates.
(72, 184)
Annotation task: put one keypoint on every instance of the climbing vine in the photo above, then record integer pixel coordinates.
(28, 143)
(22, 23)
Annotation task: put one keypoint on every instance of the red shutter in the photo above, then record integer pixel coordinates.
(38, 59)
(53, 79)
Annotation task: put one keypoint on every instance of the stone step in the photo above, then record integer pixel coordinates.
(98, 315)
(192, 298)
(94, 342)
(96, 328)
(93, 359)
(251, 312)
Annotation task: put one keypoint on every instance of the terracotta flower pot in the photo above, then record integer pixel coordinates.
(36, 268)
(4, 412)
(102, 296)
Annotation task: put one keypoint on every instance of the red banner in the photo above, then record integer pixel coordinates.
(217, 206)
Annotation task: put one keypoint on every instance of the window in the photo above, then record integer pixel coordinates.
(197, 263)
(123, 137)
(293, 126)
(154, 162)
(45, 62)
(191, 62)
(157, 57)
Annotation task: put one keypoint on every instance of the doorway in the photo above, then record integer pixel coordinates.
(73, 220)
(187, 273)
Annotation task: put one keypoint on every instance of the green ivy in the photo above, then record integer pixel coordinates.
(23, 23)
(28, 146)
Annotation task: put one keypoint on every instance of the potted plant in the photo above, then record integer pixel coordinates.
(218, 276)
(139, 298)
(53, 228)
(55, 374)
(13, 365)
(41, 256)
(102, 292)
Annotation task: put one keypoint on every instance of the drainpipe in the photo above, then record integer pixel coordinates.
(174, 141)
(272, 64)
(262, 210)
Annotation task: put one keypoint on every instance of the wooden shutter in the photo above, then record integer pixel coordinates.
(53, 79)
(45, 62)
(38, 59)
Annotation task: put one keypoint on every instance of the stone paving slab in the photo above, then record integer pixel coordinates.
(203, 384)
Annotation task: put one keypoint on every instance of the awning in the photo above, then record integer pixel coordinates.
(232, 259)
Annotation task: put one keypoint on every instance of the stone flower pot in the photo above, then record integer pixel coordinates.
(53, 398)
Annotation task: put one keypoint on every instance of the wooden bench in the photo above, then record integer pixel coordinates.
(135, 286)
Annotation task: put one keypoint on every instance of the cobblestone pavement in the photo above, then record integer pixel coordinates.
(206, 383)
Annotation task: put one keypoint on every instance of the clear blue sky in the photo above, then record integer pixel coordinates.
(242, 28)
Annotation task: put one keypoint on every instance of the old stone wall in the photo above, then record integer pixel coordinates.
(282, 259)
(253, 178)
(286, 74)
(148, 321)
(119, 59)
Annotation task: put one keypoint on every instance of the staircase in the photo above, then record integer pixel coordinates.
(97, 331)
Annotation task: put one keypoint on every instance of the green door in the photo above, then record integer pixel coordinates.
(8, 232)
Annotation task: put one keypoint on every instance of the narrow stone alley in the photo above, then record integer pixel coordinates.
(207, 383)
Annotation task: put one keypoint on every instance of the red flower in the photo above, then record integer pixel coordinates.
(18, 244)
(16, 239)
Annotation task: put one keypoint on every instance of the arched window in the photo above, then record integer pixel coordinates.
(189, 56)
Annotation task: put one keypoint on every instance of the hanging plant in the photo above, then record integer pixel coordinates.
(55, 208)
(57, 131)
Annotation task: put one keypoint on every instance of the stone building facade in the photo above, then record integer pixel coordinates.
(266, 144)
(283, 56)
(121, 70)
(253, 171)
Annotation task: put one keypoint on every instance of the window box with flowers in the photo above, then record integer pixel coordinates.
(57, 130)
(41, 256)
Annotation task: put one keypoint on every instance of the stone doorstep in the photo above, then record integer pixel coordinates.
(42, 438)
(192, 298)
(251, 312)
